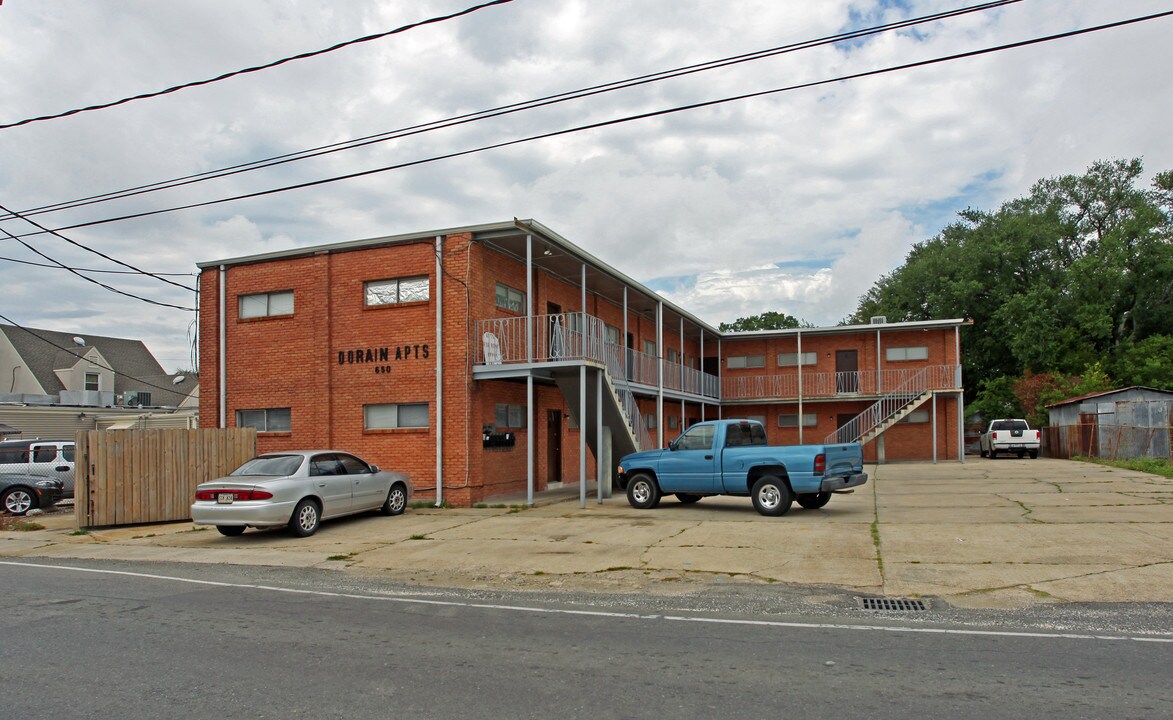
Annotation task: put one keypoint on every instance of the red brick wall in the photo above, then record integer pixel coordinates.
(294, 362)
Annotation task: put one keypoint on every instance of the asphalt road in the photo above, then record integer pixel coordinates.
(148, 640)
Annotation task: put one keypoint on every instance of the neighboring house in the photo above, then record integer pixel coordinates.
(46, 367)
(1124, 423)
(502, 358)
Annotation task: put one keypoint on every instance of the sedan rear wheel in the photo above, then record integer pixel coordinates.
(230, 530)
(306, 518)
(18, 501)
(396, 501)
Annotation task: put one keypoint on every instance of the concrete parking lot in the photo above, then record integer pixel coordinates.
(986, 533)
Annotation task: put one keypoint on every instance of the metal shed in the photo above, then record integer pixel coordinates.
(1118, 424)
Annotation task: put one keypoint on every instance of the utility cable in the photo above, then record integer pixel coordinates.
(81, 357)
(619, 121)
(257, 68)
(88, 270)
(99, 253)
(508, 109)
(100, 284)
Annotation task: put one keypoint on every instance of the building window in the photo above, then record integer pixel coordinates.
(510, 299)
(650, 347)
(757, 418)
(92, 381)
(395, 291)
(673, 422)
(672, 356)
(268, 420)
(897, 354)
(612, 334)
(650, 421)
(736, 362)
(136, 397)
(509, 416)
(791, 359)
(266, 304)
(916, 417)
(391, 416)
(786, 420)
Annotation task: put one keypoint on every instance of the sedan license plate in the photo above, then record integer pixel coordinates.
(224, 498)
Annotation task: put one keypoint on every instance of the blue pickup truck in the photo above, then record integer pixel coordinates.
(732, 457)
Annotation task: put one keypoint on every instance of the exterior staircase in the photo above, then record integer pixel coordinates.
(620, 410)
(887, 411)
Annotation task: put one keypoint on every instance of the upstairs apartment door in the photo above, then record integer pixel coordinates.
(846, 371)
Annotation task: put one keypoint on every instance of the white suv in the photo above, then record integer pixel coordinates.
(39, 458)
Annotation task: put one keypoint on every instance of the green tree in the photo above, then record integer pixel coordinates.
(1078, 271)
(769, 320)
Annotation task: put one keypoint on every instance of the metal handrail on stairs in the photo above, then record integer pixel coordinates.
(903, 399)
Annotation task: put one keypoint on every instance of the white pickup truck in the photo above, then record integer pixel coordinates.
(1009, 436)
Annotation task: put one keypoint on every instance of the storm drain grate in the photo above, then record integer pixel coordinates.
(897, 604)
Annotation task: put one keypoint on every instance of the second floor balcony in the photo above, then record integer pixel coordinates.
(859, 383)
(579, 337)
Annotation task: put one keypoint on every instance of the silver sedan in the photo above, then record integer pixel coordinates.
(299, 489)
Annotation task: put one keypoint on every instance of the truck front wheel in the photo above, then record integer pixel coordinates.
(643, 493)
(771, 496)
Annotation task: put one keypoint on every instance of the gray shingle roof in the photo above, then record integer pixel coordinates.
(43, 351)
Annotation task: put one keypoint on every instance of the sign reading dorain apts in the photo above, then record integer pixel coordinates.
(381, 357)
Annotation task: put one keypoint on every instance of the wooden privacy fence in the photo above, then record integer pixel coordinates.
(125, 477)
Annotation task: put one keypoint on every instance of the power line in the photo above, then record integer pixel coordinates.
(266, 66)
(619, 121)
(509, 109)
(100, 284)
(99, 253)
(88, 270)
(73, 352)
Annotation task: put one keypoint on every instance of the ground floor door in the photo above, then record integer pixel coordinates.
(553, 446)
(842, 419)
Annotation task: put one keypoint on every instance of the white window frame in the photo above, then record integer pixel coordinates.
(511, 299)
(277, 298)
(281, 417)
(903, 354)
(513, 414)
(791, 359)
(389, 416)
(97, 382)
(808, 420)
(739, 362)
(381, 293)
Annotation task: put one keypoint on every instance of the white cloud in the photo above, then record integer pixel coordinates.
(796, 201)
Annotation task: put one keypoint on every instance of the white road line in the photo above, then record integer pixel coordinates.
(1157, 638)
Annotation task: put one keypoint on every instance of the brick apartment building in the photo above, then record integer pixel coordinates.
(501, 358)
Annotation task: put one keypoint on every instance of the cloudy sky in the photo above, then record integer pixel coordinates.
(796, 201)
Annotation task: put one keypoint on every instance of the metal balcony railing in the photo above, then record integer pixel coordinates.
(897, 403)
(785, 386)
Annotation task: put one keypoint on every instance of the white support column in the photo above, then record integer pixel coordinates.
(800, 421)
(602, 467)
(626, 356)
(720, 387)
(879, 374)
(700, 362)
(529, 380)
(961, 427)
(582, 431)
(529, 440)
(660, 367)
(933, 400)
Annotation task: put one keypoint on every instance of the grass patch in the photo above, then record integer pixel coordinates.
(18, 525)
(876, 542)
(419, 537)
(1154, 466)
(426, 504)
(340, 557)
(538, 572)
(82, 531)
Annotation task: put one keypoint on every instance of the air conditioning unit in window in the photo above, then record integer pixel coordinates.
(879, 319)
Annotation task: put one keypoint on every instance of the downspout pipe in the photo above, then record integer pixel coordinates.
(222, 361)
(439, 371)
